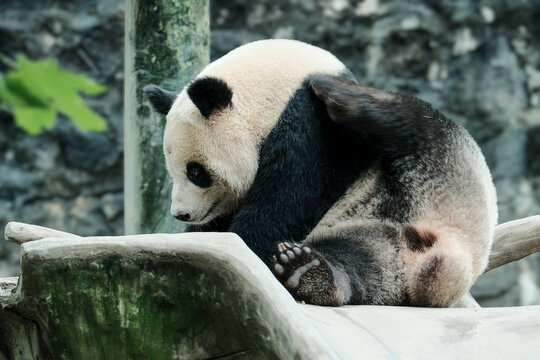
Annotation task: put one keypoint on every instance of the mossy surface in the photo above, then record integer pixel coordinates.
(158, 296)
(113, 307)
(169, 43)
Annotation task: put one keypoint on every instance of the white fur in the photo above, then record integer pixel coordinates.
(263, 76)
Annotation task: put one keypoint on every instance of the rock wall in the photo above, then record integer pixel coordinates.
(478, 62)
(64, 178)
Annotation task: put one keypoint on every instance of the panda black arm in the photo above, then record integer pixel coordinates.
(400, 124)
(304, 167)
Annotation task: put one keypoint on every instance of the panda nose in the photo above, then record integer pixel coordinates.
(183, 217)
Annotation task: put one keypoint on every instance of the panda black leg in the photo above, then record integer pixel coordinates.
(306, 274)
(399, 122)
(360, 263)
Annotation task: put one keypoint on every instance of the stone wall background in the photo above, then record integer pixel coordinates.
(64, 178)
(478, 62)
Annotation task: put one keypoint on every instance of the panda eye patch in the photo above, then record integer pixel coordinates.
(197, 174)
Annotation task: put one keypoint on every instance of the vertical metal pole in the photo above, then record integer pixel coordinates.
(167, 44)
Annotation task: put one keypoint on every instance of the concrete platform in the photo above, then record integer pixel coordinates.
(207, 296)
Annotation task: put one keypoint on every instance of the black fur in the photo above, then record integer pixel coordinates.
(357, 261)
(352, 251)
(305, 164)
(209, 94)
(401, 125)
(411, 137)
(427, 277)
(219, 224)
(316, 284)
(197, 174)
(160, 99)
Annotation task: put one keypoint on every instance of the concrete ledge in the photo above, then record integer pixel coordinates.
(189, 296)
(386, 332)
(206, 295)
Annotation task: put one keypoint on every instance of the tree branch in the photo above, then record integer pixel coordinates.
(20, 233)
(514, 240)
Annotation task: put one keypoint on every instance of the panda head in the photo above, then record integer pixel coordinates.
(210, 162)
(216, 125)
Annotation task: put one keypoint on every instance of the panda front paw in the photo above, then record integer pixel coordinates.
(305, 273)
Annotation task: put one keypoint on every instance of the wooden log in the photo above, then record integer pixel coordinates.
(466, 301)
(389, 332)
(514, 240)
(20, 233)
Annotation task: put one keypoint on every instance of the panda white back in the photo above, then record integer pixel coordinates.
(275, 142)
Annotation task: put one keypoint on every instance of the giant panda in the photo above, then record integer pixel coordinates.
(351, 195)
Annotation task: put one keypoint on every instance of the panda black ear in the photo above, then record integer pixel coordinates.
(209, 94)
(160, 99)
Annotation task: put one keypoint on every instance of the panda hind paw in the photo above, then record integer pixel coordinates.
(305, 273)
(292, 261)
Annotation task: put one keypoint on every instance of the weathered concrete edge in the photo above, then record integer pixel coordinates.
(283, 316)
(393, 332)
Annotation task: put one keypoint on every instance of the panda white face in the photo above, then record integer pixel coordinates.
(209, 163)
(199, 193)
(197, 197)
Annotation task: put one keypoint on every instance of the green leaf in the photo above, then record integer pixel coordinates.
(34, 119)
(37, 89)
(7, 96)
(31, 114)
(15, 84)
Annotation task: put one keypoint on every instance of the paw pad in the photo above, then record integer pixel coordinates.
(292, 261)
